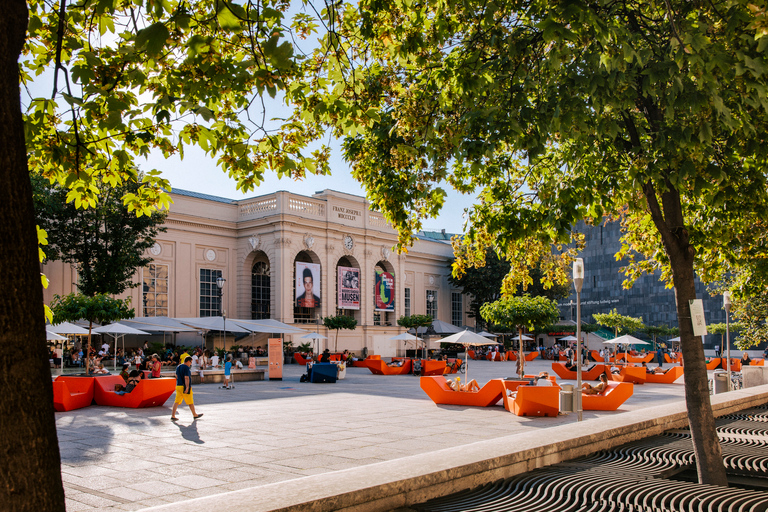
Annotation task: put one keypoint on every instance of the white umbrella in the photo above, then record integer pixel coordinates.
(67, 328)
(526, 338)
(313, 336)
(117, 330)
(675, 339)
(468, 339)
(569, 338)
(52, 336)
(626, 340)
(405, 337)
(441, 327)
(487, 334)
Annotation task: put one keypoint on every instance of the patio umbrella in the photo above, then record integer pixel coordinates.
(626, 340)
(569, 338)
(314, 337)
(405, 338)
(117, 330)
(52, 336)
(441, 327)
(468, 339)
(158, 324)
(487, 334)
(675, 339)
(67, 328)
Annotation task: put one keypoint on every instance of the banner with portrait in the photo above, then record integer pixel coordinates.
(349, 288)
(384, 296)
(307, 285)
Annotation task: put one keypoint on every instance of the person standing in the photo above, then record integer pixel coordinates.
(184, 389)
(227, 371)
(156, 367)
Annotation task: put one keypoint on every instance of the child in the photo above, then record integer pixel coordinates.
(227, 371)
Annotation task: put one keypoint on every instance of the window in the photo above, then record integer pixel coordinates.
(155, 287)
(303, 314)
(260, 290)
(407, 301)
(210, 300)
(383, 295)
(457, 308)
(432, 303)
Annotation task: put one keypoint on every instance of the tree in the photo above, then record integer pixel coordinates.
(483, 283)
(105, 242)
(339, 322)
(521, 312)
(619, 323)
(99, 308)
(655, 331)
(414, 322)
(650, 113)
(721, 330)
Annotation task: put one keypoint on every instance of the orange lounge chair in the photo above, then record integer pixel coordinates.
(713, 363)
(499, 356)
(430, 367)
(147, 393)
(667, 377)
(678, 358)
(563, 373)
(534, 401)
(511, 355)
(634, 374)
(530, 356)
(379, 367)
(300, 358)
(596, 356)
(735, 365)
(471, 354)
(757, 362)
(647, 358)
(364, 362)
(609, 400)
(452, 366)
(437, 389)
(70, 393)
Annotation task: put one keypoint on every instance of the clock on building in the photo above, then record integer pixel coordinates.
(348, 242)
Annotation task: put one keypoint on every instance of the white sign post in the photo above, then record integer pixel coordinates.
(697, 317)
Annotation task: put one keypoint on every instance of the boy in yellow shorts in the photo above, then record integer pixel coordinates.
(184, 388)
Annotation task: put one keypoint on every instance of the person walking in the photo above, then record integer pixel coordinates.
(184, 389)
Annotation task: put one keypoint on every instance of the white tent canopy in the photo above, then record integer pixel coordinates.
(52, 336)
(67, 328)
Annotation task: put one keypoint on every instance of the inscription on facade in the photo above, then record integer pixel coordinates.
(346, 213)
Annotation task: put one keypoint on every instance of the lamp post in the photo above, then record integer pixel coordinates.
(220, 284)
(727, 307)
(578, 282)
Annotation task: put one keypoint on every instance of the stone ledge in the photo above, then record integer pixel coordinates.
(410, 480)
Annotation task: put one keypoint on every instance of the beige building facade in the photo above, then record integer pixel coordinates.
(255, 244)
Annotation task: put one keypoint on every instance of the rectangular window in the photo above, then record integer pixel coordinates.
(407, 301)
(457, 309)
(155, 290)
(210, 300)
(432, 303)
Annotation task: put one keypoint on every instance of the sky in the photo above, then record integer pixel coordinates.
(199, 173)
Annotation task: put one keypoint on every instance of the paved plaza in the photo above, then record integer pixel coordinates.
(272, 431)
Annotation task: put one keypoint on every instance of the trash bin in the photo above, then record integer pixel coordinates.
(720, 382)
(566, 398)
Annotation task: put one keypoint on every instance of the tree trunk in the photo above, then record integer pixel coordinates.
(674, 236)
(30, 467)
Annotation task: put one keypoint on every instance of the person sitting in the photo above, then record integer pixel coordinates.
(133, 380)
(543, 379)
(570, 365)
(589, 389)
(326, 356)
(124, 374)
(647, 369)
(745, 359)
(456, 385)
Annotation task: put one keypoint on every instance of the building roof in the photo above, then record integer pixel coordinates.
(198, 195)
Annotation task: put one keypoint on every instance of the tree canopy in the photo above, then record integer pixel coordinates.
(619, 323)
(105, 242)
(337, 323)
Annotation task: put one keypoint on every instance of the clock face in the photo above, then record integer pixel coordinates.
(348, 242)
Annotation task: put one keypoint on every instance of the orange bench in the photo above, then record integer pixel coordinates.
(452, 366)
(431, 367)
(678, 358)
(634, 374)
(301, 359)
(379, 367)
(70, 393)
(757, 362)
(647, 358)
(534, 401)
(667, 377)
(437, 389)
(147, 393)
(530, 356)
(593, 374)
(364, 362)
(609, 400)
(596, 356)
(713, 363)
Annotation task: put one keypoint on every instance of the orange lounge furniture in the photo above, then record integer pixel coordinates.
(379, 367)
(70, 393)
(471, 354)
(609, 400)
(511, 355)
(667, 377)
(592, 374)
(757, 362)
(147, 393)
(647, 358)
(437, 389)
(713, 363)
(431, 367)
(677, 359)
(364, 362)
(735, 365)
(499, 356)
(530, 356)
(634, 374)
(452, 366)
(301, 359)
(534, 401)
(596, 356)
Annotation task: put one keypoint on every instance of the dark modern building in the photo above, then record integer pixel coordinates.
(648, 298)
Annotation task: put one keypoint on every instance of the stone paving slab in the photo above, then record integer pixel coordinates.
(271, 431)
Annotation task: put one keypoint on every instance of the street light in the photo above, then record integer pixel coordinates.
(727, 307)
(220, 284)
(578, 282)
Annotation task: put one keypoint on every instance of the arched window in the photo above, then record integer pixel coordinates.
(348, 286)
(260, 291)
(383, 294)
(306, 288)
